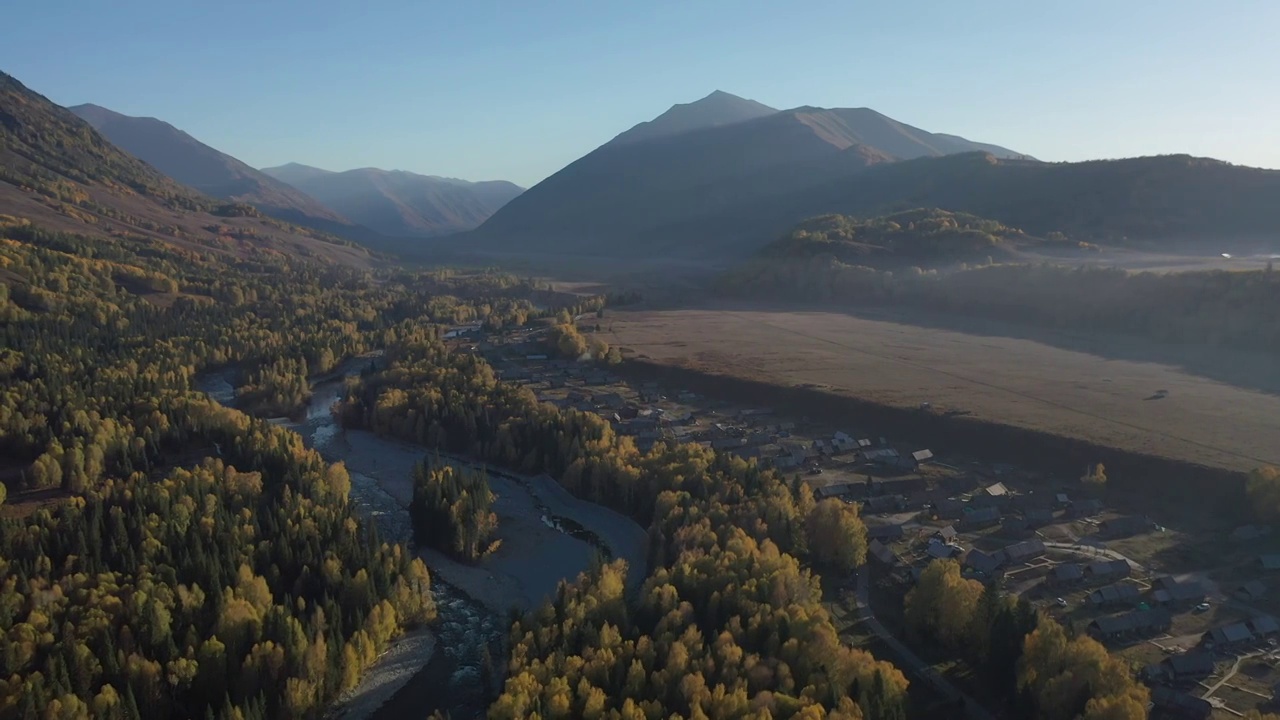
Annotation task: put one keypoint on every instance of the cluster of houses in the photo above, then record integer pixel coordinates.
(1238, 634)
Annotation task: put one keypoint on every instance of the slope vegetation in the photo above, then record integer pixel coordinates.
(1148, 198)
(196, 165)
(399, 203)
(59, 173)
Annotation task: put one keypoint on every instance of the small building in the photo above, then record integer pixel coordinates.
(1107, 570)
(881, 456)
(1190, 592)
(995, 490)
(982, 563)
(1115, 595)
(1250, 591)
(1066, 575)
(1189, 667)
(1227, 636)
(884, 532)
(1264, 626)
(882, 554)
(980, 518)
(947, 509)
(1180, 705)
(1125, 526)
(1023, 551)
(946, 534)
(1269, 562)
(836, 490)
(941, 551)
(916, 459)
(1138, 623)
(883, 504)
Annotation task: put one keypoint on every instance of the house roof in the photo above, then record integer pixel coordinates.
(1233, 633)
(1191, 590)
(982, 562)
(1264, 625)
(996, 489)
(922, 455)
(947, 533)
(1270, 562)
(1135, 621)
(940, 551)
(1067, 572)
(884, 531)
(1191, 663)
(1119, 592)
(1108, 568)
(881, 552)
(1023, 550)
(1180, 703)
(1254, 588)
(982, 514)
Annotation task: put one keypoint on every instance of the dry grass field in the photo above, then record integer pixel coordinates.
(1016, 381)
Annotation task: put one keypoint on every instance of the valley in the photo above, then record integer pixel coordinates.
(746, 413)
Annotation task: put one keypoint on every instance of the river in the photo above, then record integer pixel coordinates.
(546, 535)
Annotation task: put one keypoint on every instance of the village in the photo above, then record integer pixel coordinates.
(1204, 638)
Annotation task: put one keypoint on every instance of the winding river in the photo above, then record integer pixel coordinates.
(546, 535)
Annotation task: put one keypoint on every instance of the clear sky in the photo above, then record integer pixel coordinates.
(516, 89)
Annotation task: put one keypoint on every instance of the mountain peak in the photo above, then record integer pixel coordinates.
(717, 109)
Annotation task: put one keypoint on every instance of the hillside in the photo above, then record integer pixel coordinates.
(214, 173)
(1147, 200)
(61, 174)
(924, 237)
(398, 203)
(718, 108)
(628, 191)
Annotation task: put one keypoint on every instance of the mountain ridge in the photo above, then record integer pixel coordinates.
(198, 165)
(717, 108)
(58, 173)
(400, 203)
(624, 191)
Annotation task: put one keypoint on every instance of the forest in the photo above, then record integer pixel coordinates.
(451, 509)
(161, 554)
(925, 235)
(1214, 308)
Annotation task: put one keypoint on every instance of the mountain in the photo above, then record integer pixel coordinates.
(718, 108)
(196, 165)
(399, 203)
(1147, 200)
(620, 197)
(59, 173)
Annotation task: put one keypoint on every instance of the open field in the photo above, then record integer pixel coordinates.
(1011, 380)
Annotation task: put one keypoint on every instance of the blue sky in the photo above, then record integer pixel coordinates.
(486, 89)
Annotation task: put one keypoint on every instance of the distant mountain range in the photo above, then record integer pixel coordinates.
(398, 203)
(696, 162)
(196, 165)
(59, 173)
